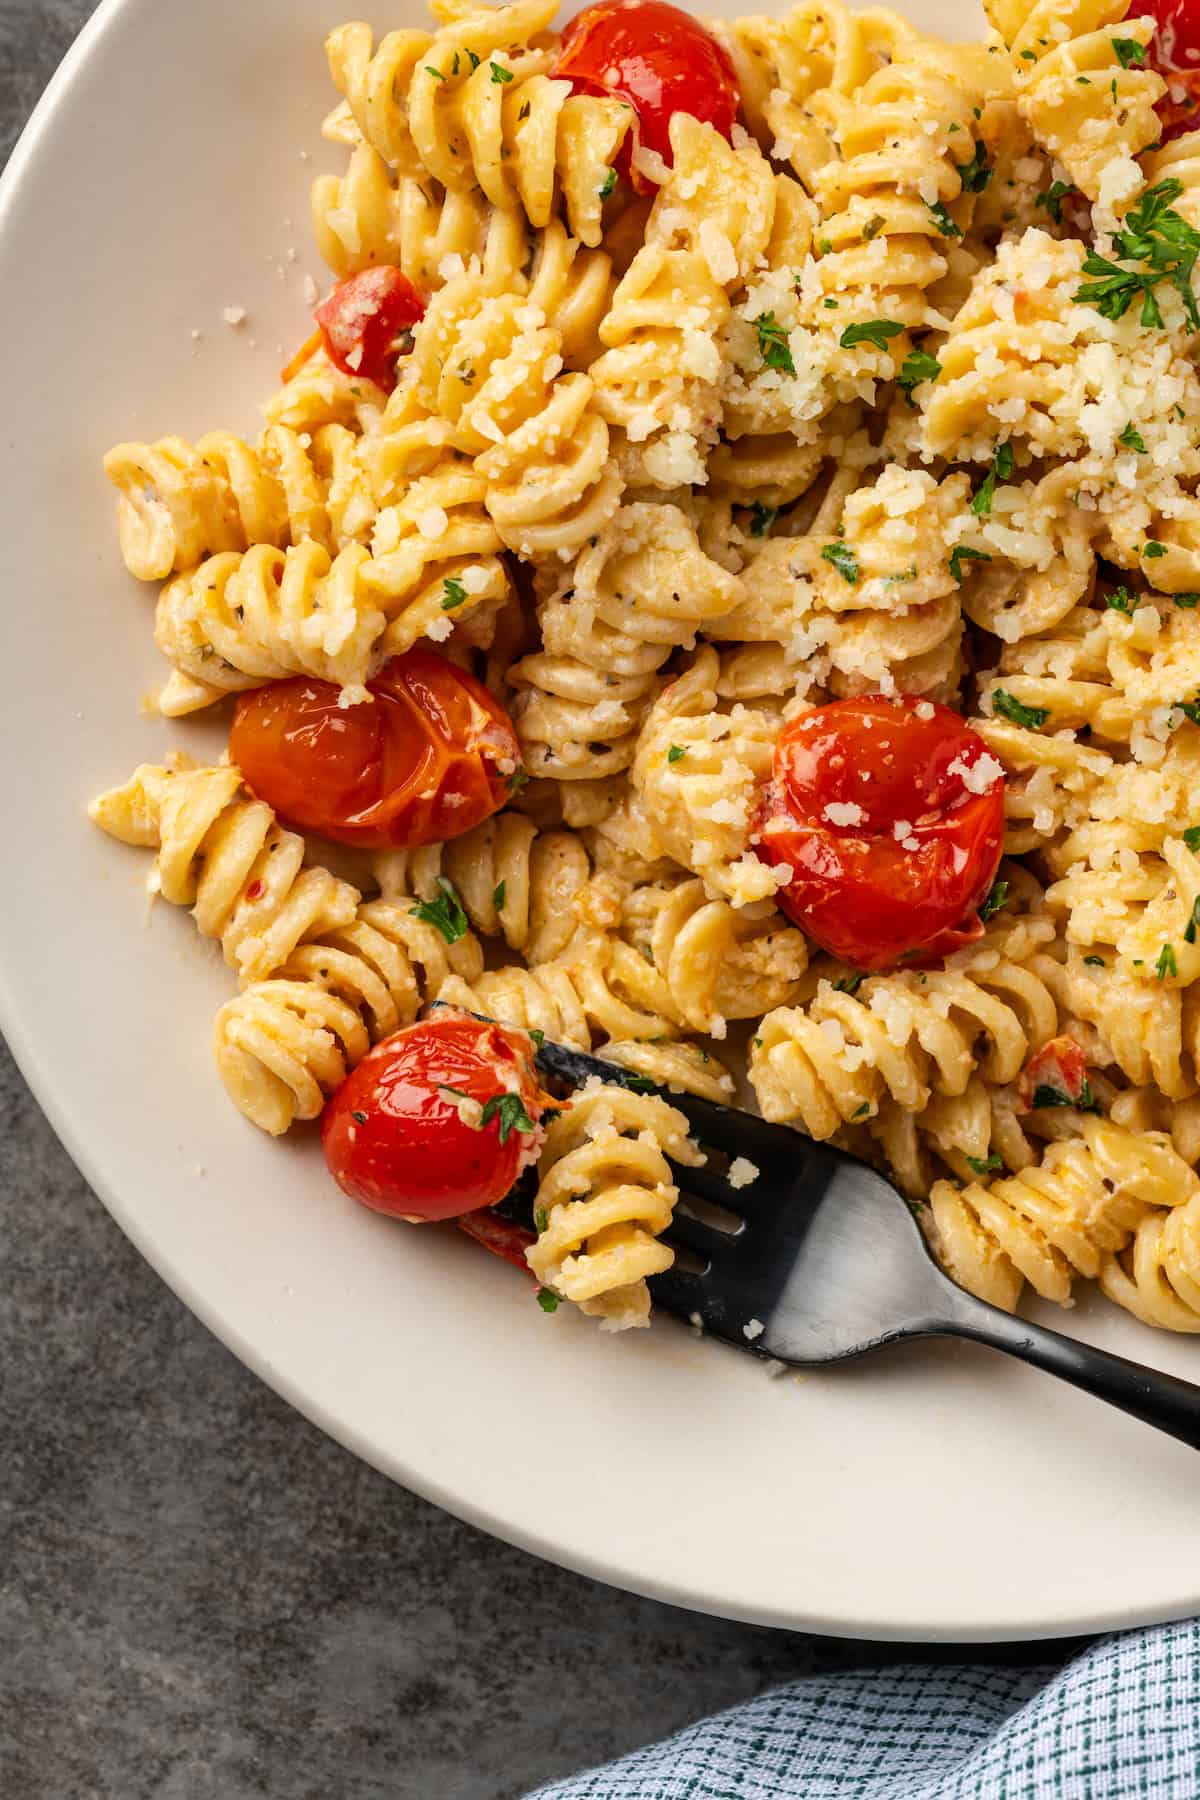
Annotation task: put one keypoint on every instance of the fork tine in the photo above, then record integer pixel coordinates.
(695, 1235)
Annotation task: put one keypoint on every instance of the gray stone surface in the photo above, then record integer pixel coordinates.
(202, 1598)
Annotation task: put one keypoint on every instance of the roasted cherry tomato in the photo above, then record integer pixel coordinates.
(1055, 1075)
(1175, 52)
(438, 1120)
(428, 758)
(367, 321)
(657, 57)
(889, 814)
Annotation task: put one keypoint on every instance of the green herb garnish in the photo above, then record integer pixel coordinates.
(547, 1300)
(1132, 439)
(1009, 707)
(1166, 964)
(871, 331)
(1128, 51)
(1158, 237)
(762, 518)
(1052, 198)
(986, 1165)
(997, 898)
(510, 1110)
(773, 344)
(500, 73)
(1121, 600)
(963, 553)
(608, 184)
(844, 560)
(918, 366)
(675, 752)
(942, 219)
(499, 895)
(975, 174)
(455, 594)
(1001, 469)
(445, 913)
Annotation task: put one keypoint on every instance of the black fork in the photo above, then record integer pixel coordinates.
(817, 1258)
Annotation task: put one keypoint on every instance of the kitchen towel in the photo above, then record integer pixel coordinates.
(1119, 1721)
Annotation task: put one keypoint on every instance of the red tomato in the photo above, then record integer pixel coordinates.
(657, 57)
(438, 1120)
(1056, 1075)
(1175, 52)
(367, 321)
(873, 805)
(429, 758)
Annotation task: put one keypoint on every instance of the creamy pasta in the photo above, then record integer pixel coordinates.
(875, 390)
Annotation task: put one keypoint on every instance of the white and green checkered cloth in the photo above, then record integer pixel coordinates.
(1120, 1721)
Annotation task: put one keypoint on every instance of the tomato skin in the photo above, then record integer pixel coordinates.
(1060, 1066)
(866, 894)
(364, 317)
(1174, 51)
(395, 1139)
(429, 758)
(660, 59)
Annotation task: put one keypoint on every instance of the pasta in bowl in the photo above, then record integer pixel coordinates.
(718, 588)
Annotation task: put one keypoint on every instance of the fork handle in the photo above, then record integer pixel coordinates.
(1161, 1400)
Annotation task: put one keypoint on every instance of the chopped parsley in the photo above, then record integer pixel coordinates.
(1121, 600)
(1128, 51)
(445, 913)
(455, 594)
(1188, 601)
(1001, 469)
(1052, 1096)
(871, 331)
(1190, 709)
(1166, 964)
(517, 780)
(1191, 837)
(849, 984)
(474, 60)
(963, 553)
(1132, 439)
(975, 174)
(547, 1300)
(1009, 707)
(608, 184)
(430, 70)
(510, 1110)
(638, 1084)
(675, 752)
(1153, 548)
(540, 1219)
(762, 518)
(500, 895)
(500, 73)
(773, 344)
(997, 898)
(1097, 962)
(860, 1112)
(1158, 237)
(986, 1165)
(918, 366)
(942, 219)
(1052, 198)
(1189, 930)
(844, 560)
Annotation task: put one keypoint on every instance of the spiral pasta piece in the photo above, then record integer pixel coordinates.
(178, 503)
(475, 107)
(1156, 1277)
(699, 767)
(1090, 107)
(904, 1035)
(237, 621)
(1069, 1215)
(716, 963)
(512, 881)
(606, 1191)
(224, 854)
(906, 141)
(632, 595)
(285, 1044)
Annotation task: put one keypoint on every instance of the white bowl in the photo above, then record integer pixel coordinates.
(937, 1491)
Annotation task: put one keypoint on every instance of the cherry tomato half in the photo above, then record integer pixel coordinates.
(431, 756)
(501, 1236)
(438, 1120)
(1055, 1075)
(890, 815)
(367, 321)
(657, 57)
(1175, 52)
